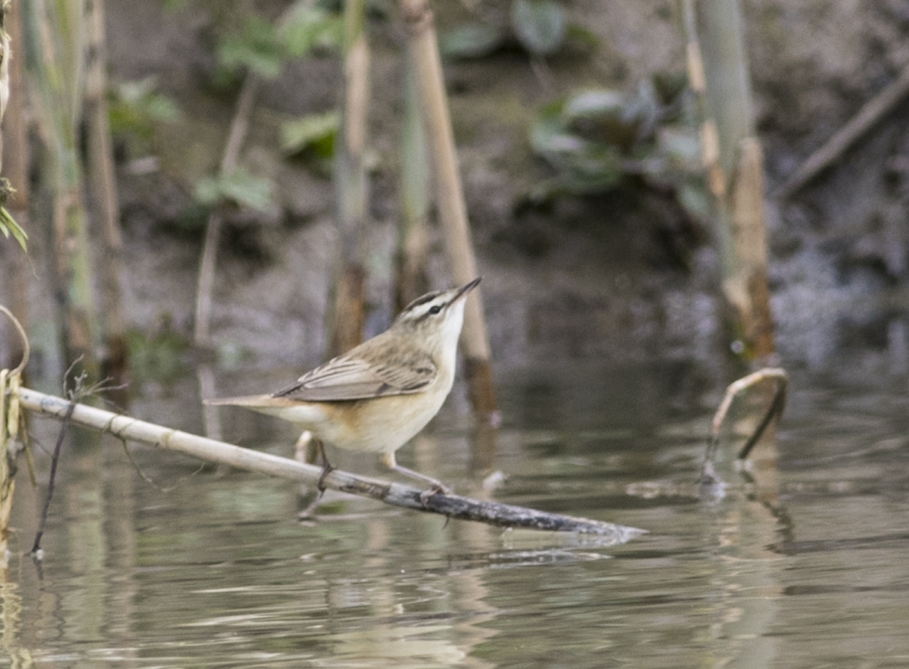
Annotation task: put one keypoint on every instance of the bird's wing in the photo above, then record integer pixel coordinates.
(353, 378)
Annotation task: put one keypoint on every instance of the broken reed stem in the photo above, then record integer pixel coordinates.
(396, 494)
(11, 428)
(733, 165)
(774, 410)
(450, 204)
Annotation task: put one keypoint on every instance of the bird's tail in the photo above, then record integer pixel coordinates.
(245, 401)
(303, 414)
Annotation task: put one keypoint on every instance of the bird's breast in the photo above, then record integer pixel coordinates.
(382, 424)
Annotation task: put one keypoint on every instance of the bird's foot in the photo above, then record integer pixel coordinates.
(434, 489)
(326, 468)
(320, 484)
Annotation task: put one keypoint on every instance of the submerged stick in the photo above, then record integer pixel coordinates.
(395, 494)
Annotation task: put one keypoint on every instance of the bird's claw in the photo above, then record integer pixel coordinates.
(320, 483)
(434, 489)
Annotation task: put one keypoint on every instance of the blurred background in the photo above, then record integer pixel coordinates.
(577, 133)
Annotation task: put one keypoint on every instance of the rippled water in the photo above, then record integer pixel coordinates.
(799, 565)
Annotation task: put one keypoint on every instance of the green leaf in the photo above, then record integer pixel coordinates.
(581, 38)
(315, 132)
(539, 25)
(604, 116)
(594, 104)
(694, 199)
(308, 28)
(239, 187)
(472, 41)
(682, 146)
(256, 48)
(9, 226)
(135, 107)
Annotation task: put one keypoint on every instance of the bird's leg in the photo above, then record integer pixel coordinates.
(306, 450)
(326, 467)
(436, 486)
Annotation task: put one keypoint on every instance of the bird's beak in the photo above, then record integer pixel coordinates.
(463, 290)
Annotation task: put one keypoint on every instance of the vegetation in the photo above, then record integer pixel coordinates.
(538, 27)
(599, 139)
(7, 225)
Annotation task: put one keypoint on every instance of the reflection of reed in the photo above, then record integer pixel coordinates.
(396, 610)
(746, 585)
(747, 582)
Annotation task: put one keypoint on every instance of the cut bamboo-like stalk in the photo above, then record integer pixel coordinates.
(396, 494)
(346, 316)
(451, 206)
(717, 67)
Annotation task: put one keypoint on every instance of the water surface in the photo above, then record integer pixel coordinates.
(801, 564)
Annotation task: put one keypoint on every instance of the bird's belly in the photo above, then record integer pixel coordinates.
(379, 425)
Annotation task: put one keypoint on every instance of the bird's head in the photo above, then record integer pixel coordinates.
(436, 317)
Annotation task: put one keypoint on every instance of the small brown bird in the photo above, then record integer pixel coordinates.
(377, 396)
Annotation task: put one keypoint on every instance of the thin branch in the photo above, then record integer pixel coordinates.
(868, 116)
(67, 416)
(206, 280)
(396, 494)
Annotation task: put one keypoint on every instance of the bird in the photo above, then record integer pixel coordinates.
(380, 394)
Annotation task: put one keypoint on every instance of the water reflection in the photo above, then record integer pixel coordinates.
(799, 564)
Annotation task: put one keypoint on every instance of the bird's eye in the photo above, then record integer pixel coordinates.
(435, 309)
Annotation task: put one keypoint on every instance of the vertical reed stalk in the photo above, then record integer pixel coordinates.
(718, 72)
(59, 87)
(411, 278)
(103, 188)
(8, 424)
(15, 164)
(345, 323)
(450, 202)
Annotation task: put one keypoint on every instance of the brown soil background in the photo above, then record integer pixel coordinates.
(595, 277)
